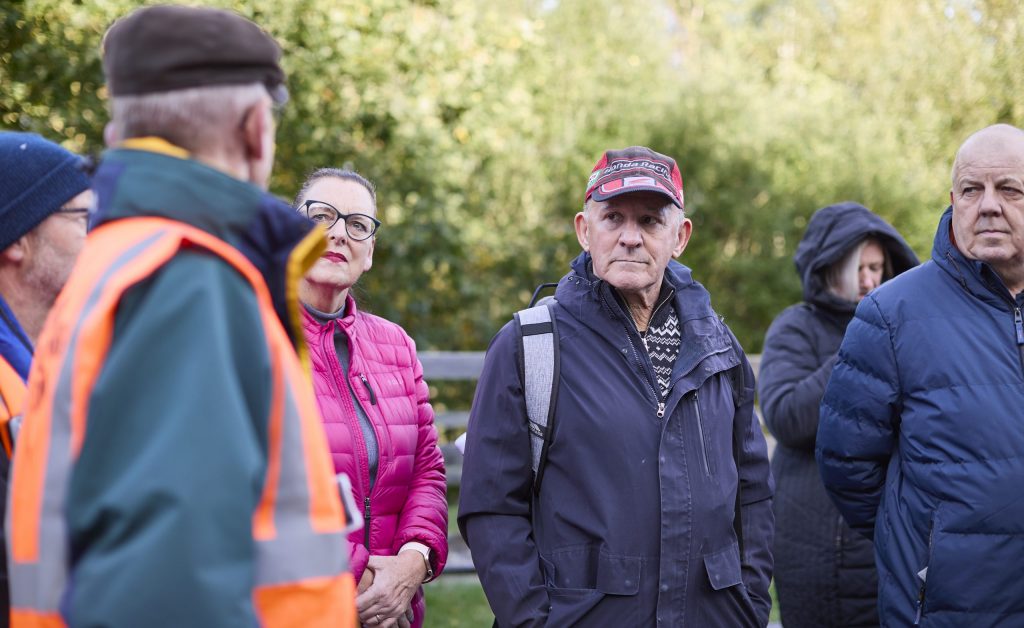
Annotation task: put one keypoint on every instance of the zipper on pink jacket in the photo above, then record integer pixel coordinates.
(366, 522)
(373, 397)
(357, 435)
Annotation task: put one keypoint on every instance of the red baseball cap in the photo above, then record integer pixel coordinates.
(635, 169)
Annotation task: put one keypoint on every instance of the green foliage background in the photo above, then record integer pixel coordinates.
(480, 121)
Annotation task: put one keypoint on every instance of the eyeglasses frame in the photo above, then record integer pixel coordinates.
(376, 223)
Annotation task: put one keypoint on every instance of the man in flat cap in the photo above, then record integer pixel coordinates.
(615, 473)
(171, 469)
(44, 208)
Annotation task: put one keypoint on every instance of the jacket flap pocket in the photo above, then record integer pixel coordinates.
(618, 575)
(724, 567)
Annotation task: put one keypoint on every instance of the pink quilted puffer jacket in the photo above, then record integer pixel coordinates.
(408, 498)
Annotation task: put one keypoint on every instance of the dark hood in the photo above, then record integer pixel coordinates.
(831, 233)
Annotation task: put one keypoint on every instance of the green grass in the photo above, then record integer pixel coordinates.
(774, 616)
(457, 602)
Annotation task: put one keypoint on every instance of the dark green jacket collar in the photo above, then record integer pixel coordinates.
(149, 177)
(153, 178)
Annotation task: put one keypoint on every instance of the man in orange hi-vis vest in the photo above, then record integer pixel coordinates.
(171, 469)
(44, 206)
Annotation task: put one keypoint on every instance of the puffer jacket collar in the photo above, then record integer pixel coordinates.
(345, 322)
(974, 276)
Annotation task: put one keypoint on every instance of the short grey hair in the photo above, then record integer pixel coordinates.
(198, 119)
(344, 174)
(669, 206)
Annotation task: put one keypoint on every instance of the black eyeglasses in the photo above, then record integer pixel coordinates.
(78, 214)
(358, 226)
(75, 211)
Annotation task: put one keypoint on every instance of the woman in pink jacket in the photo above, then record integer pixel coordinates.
(379, 423)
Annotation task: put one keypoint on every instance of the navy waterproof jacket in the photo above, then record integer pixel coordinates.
(633, 524)
(921, 441)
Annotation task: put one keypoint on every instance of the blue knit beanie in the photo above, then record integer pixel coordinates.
(37, 177)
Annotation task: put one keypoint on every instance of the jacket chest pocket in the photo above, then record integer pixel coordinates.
(708, 422)
(703, 435)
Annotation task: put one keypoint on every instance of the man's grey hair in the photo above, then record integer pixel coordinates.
(668, 206)
(198, 119)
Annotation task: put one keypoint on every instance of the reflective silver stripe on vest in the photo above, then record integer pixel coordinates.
(297, 552)
(538, 372)
(40, 585)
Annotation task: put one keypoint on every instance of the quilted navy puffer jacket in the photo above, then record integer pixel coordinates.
(921, 441)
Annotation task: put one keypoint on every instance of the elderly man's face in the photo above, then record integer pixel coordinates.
(54, 246)
(631, 239)
(988, 200)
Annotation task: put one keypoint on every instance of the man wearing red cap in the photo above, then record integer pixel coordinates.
(655, 505)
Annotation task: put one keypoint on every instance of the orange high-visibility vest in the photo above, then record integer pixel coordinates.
(12, 403)
(301, 574)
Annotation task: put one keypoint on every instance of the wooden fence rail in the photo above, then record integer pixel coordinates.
(466, 366)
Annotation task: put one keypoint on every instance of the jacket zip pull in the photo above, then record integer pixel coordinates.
(661, 409)
(366, 522)
(373, 397)
(700, 432)
(1018, 322)
(920, 605)
(923, 574)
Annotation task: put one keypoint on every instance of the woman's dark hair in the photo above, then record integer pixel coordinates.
(336, 173)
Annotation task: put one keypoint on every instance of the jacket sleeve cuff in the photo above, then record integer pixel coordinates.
(358, 558)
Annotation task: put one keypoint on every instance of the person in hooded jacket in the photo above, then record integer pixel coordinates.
(380, 427)
(824, 572)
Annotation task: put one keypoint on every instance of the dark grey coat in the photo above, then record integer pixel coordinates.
(825, 573)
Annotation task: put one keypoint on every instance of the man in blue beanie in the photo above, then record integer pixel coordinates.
(44, 207)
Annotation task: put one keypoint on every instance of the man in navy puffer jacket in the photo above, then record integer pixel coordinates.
(921, 439)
